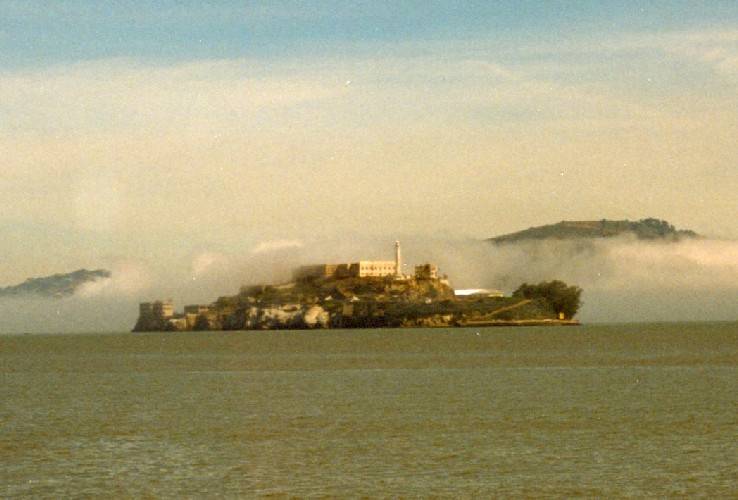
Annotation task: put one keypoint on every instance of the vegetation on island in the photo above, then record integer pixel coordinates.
(371, 302)
(562, 298)
(644, 229)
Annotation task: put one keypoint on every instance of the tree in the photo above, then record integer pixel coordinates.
(653, 228)
(201, 323)
(561, 297)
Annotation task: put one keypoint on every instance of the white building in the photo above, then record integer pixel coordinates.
(361, 269)
(478, 292)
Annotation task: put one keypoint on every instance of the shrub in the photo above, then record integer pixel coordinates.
(562, 297)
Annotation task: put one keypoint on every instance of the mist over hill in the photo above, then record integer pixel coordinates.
(56, 285)
(644, 270)
(624, 277)
(644, 229)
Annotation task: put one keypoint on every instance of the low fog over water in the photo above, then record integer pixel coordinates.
(624, 279)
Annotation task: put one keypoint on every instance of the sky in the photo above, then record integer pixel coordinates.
(137, 134)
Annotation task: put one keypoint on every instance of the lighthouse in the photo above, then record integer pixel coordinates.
(398, 261)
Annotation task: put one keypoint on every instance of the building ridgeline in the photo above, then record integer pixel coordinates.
(365, 269)
(160, 314)
(159, 309)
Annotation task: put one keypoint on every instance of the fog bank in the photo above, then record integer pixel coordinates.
(624, 279)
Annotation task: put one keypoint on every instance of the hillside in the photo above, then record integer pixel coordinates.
(54, 286)
(645, 229)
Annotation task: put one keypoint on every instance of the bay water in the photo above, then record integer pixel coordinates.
(596, 410)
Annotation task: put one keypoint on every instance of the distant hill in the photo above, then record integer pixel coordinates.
(55, 286)
(645, 229)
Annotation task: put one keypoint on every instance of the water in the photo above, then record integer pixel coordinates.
(616, 410)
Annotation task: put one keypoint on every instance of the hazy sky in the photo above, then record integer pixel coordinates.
(146, 131)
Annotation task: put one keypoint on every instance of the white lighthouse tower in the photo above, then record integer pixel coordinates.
(398, 261)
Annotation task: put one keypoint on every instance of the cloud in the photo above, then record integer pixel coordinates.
(104, 305)
(164, 12)
(205, 262)
(625, 41)
(622, 263)
(718, 48)
(128, 279)
(105, 95)
(626, 279)
(98, 203)
(127, 157)
(694, 265)
(224, 97)
(724, 60)
(275, 245)
(623, 279)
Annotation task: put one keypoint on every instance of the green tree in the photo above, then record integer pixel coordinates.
(653, 228)
(201, 323)
(561, 297)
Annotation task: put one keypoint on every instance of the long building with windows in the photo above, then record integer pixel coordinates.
(360, 269)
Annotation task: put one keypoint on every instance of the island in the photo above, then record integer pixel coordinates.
(56, 286)
(367, 294)
(645, 229)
